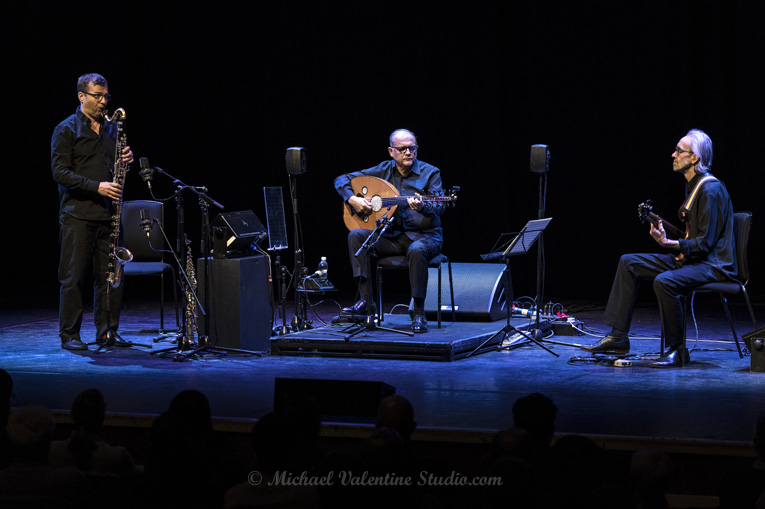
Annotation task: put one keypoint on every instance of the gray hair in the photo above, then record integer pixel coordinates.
(399, 131)
(701, 145)
(84, 80)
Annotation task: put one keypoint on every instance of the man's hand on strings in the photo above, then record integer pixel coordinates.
(415, 202)
(660, 236)
(360, 205)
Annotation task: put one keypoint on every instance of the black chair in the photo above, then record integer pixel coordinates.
(399, 262)
(742, 222)
(148, 259)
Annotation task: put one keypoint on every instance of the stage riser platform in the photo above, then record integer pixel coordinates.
(453, 341)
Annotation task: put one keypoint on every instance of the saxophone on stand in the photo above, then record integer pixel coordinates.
(191, 302)
(118, 256)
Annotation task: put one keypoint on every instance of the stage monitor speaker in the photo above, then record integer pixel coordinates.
(243, 228)
(240, 307)
(336, 398)
(296, 161)
(755, 342)
(479, 292)
(540, 159)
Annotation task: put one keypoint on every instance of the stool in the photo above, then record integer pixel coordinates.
(399, 262)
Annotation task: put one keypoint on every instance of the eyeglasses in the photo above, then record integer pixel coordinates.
(98, 97)
(410, 148)
(680, 151)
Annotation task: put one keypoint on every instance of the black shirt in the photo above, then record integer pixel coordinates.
(80, 160)
(710, 228)
(424, 179)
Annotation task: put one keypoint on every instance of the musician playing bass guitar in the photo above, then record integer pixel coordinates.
(415, 230)
(707, 253)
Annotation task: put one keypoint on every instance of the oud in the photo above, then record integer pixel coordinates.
(385, 199)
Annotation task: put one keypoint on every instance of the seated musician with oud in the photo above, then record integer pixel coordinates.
(415, 230)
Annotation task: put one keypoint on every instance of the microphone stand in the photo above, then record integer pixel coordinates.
(371, 322)
(182, 345)
(184, 350)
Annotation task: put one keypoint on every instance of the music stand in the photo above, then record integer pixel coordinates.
(519, 245)
(277, 240)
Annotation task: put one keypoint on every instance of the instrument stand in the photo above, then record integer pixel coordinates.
(519, 245)
(370, 323)
(181, 334)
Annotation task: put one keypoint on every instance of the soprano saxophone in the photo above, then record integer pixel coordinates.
(191, 289)
(118, 256)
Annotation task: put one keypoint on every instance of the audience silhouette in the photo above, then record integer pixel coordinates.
(188, 463)
(30, 481)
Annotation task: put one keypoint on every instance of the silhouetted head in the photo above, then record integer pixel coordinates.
(513, 442)
(193, 409)
(536, 414)
(30, 431)
(6, 389)
(88, 410)
(396, 412)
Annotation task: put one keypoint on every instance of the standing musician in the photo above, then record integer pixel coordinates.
(707, 254)
(82, 160)
(416, 228)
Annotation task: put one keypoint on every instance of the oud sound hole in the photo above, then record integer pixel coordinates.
(376, 203)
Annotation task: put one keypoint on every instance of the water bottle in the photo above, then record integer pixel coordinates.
(322, 272)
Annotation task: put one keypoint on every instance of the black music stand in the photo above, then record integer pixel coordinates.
(277, 240)
(519, 245)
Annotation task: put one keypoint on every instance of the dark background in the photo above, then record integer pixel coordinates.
(215, 93)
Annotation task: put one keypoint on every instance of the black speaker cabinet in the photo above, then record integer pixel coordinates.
(540, 159)
(479, 292)
(755, 342)
(296, 160)
(240, 308)
(241, 229)
(351, 398)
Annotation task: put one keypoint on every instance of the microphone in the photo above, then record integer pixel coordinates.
(146, 222)
(147, 172)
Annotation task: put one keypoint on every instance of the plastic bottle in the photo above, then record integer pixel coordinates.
(322, 272)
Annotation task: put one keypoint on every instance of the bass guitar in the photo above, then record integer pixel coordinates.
(385, 199)
(645, 213)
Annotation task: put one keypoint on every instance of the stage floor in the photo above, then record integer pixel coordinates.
(715, 398)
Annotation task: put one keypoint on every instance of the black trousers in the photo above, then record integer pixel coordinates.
(418, 253)
(672, 281)
(83, 243)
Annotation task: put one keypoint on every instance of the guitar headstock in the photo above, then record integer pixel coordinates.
(644, 209)
(453, 195)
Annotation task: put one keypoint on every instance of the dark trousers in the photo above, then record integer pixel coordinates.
(672, 281)
(83, 243)
(418, 253)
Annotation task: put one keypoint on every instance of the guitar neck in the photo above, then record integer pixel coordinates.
(672, 231)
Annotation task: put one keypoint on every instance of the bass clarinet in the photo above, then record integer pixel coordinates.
(118, 256)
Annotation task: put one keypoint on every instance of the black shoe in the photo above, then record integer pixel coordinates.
(116, 341)
(609, 344)
(419, 324)
(675, 358)
(362, 307)
(73, 344)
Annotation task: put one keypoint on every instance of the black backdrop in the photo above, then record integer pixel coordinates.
(215, 93)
